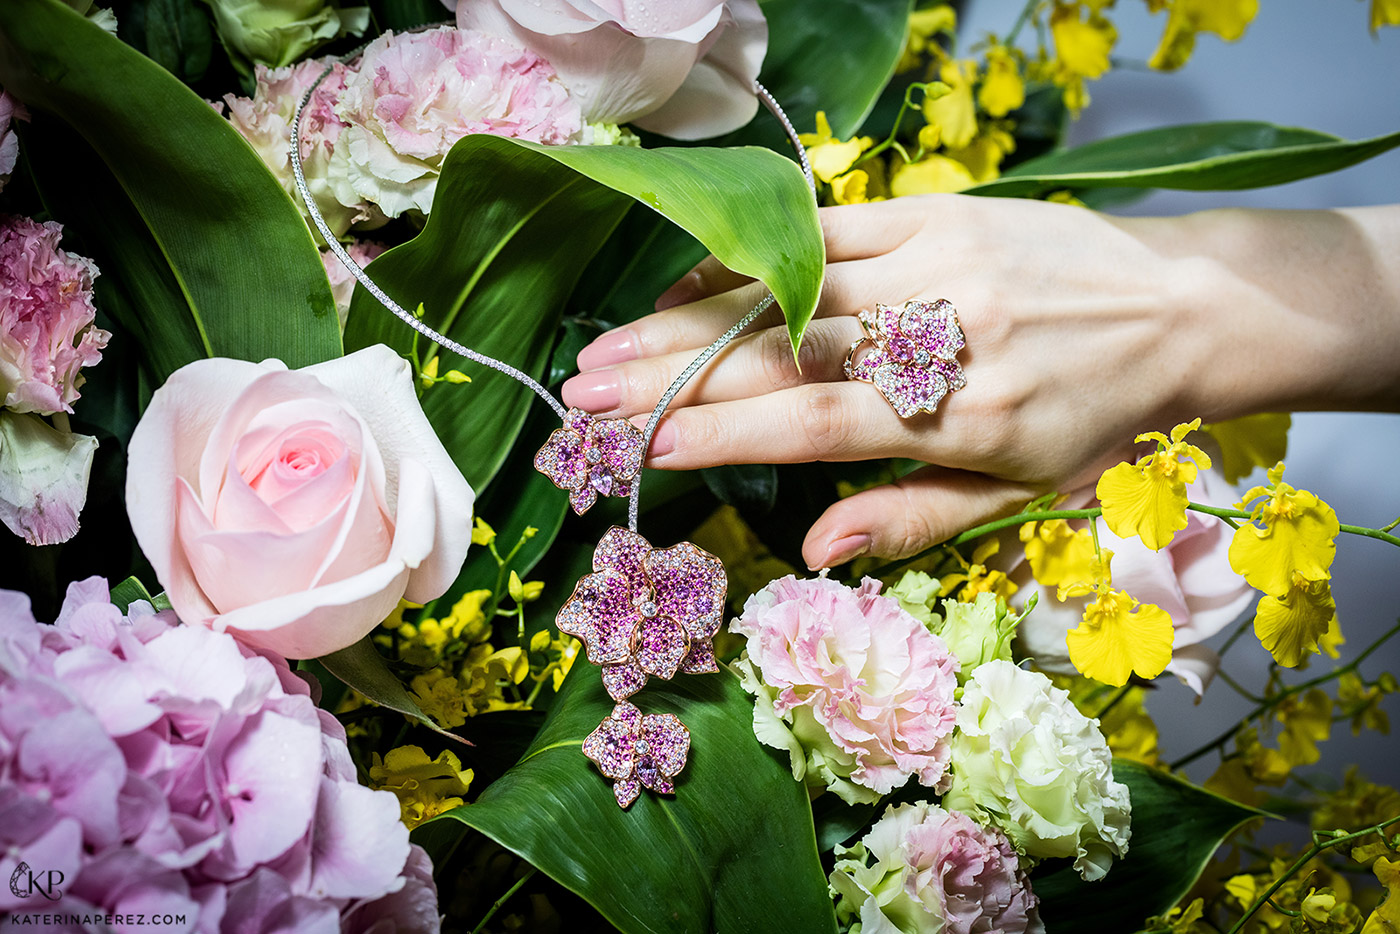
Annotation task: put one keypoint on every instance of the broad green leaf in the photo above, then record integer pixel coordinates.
(222, 263)
(748, 206)
(733, 850)
(360, 666)
(179, 37)
(1195, 157)
(752, 488)
(1177, 827)
(838, 62)
(514, 225)
(400, 15)
(509, 236)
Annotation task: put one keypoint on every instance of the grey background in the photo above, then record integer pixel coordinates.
(1310, 63)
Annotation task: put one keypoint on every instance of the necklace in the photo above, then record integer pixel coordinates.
(643, 612)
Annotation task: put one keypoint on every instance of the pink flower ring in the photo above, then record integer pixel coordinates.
(913, 352)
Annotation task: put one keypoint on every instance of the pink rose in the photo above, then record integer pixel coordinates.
(684, 68)
(295, 508)
(1190, 578)
(856, 689)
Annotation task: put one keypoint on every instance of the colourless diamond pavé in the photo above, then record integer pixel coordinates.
(646, 612)
(592, 457)
(909, 354)
(637, 750)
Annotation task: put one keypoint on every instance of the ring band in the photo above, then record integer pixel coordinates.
(912, 354)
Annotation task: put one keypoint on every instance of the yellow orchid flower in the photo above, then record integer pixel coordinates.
(1117, 636)
(1291, 533)
(1056, 552)
(1226, 18)
(1003, 89)
(976, 579)
(1148, 498)
(954, 113)
(1290, 626)
(1385, 13)
(425, 787)
(828, 154)
(1249, 442)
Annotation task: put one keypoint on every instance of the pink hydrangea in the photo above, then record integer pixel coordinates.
(265, 121)
(924, 870)
(414, 95)
(150, 767)
(858, 690)
(46, 315)
(10, 111)
(363, 252)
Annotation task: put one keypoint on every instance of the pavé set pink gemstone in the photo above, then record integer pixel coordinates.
(636, 750)
(911, 355)
(644, 612)
(592, 457)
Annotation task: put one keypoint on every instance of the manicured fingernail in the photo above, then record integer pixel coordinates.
(845, 549)
(593, 392)
(616, 346)
(685, 290)
(664, 441)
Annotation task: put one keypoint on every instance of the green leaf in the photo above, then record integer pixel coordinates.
(733, 850)
(1195, 157)
(222, 264)
(749, 206)
(360, 666)
(514, 225)
(838, 62)
(401, 15)
(1177, 827)
(179, 38)
(509, 236)
(128, 592)
(751, 488)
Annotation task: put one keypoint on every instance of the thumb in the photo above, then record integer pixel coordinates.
(903, 518)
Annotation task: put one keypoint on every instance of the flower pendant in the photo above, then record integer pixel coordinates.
(592, 457)
(636, 749)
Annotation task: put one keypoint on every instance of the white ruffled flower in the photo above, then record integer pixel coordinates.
(1026, 761)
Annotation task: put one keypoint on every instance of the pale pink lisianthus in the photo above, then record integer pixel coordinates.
(156, 769)
(363, 252)
(414, 95)
(924, 870)
(265, 121)
(10, 111)
(684, 68)
(856, 689)
(295, 508)
(46, 318)
(1190, 578)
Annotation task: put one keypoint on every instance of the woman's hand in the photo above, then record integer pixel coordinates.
(1082, 331)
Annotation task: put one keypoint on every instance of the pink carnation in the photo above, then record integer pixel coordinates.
(935, 870)
(265, 121)
(863, 690)
(10, 111)
(414, 95)
(46, 315)
(150, 767)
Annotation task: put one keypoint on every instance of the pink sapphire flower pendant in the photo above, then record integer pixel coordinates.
(646, 611)
(912, 354)
(592, 457)
(636, 749)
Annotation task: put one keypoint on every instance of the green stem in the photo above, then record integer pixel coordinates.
(1270, 703)
(530, 873)
(1118, 695)
(1240, 630)
(1314, 850)
(1387, 528)
(1240, 689)
(1021, 21)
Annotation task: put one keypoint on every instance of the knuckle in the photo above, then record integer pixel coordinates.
(825, 421)
(779, 367)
